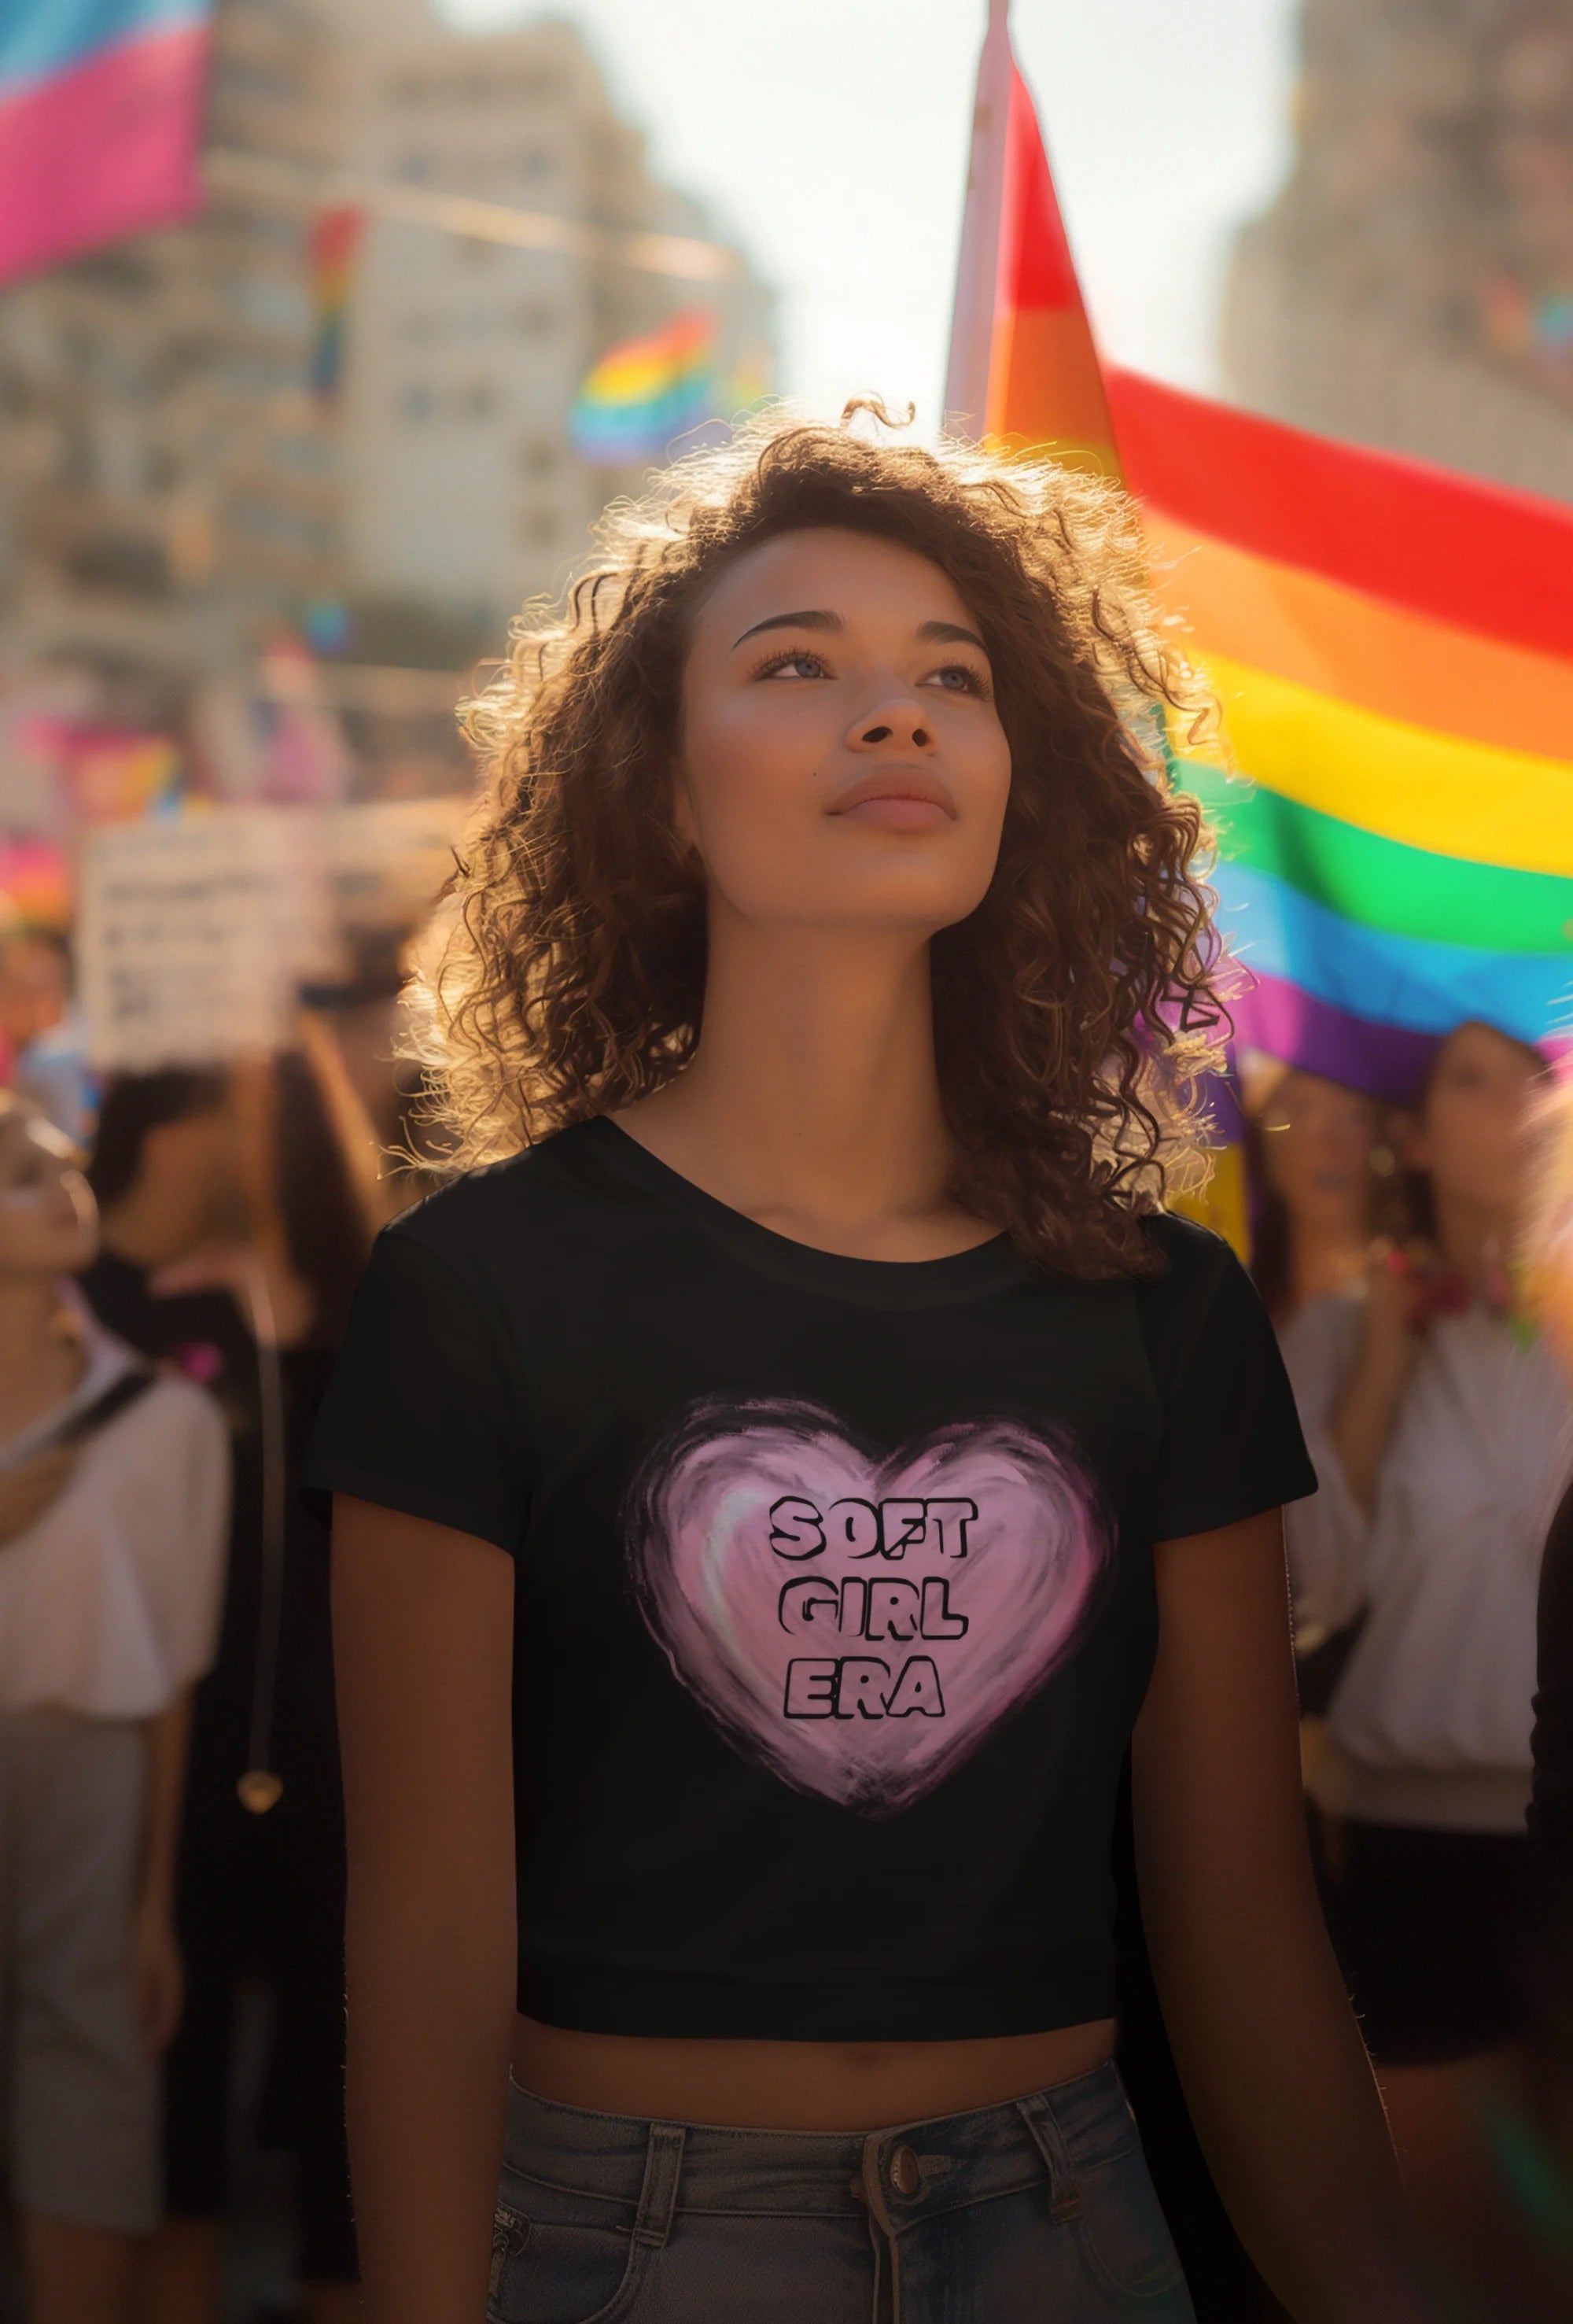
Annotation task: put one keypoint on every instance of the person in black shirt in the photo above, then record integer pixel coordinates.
(787, 1474)
(1551, 1811)
(232, 1238)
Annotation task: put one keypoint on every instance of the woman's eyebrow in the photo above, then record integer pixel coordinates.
(810, 621)
(949, 634)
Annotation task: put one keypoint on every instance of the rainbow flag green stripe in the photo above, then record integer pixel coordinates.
(1380, 883)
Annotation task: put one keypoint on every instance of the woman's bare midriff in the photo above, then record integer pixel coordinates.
(849, 2086)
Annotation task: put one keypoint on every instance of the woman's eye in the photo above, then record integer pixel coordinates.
(801, 664)
(959, 677)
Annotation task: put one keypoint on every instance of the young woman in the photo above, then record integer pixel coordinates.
(108, 1612)
(762, 1499)
(1312, 1148)
(1442, 1426)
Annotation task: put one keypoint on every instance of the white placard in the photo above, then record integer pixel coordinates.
(194, 933)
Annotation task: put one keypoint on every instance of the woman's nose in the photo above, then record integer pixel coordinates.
(900, 724)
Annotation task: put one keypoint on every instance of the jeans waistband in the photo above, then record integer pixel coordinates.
(646, 2172)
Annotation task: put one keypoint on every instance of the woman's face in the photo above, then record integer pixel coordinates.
(1470, 1137)
(1317, 1141)
(842, 760)
(49, 1222)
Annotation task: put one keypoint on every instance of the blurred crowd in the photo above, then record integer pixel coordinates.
(177, 1254)
(170, 1298)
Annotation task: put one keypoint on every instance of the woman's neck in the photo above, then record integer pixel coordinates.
(813, 1102)
(1323, 1260)
(1472, 1240)
(40, 1364)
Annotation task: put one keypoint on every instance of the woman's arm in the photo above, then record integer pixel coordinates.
(159, 1979)
(423, 1635)
(1365, 1414)
(1273, 2068)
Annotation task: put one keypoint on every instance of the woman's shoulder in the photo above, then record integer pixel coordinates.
(1195, 1265)
(1187, 1248)
(176, 1412)
(461, 1218)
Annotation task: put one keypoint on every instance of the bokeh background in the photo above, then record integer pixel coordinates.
(272, 478)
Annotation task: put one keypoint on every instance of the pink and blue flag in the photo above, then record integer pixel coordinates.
(100, 111)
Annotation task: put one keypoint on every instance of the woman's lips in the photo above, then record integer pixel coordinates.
(894, 811)
(896, 801)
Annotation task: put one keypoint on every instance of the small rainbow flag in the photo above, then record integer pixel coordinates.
(100, 104)
(647, 391)
(336, 243)
(1392, 646)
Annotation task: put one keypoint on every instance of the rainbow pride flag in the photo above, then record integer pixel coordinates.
(100, 106)
(1023, 365)
(1392, 647)
(647, 391)
(336, 236)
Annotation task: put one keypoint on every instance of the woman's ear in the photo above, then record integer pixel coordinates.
(685, 827)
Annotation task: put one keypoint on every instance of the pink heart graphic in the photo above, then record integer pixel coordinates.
(860, 1624)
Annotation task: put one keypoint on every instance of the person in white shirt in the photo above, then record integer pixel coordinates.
(108, 1612)
(1441, 1428)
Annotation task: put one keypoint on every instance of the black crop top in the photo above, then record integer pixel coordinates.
(834, 1600)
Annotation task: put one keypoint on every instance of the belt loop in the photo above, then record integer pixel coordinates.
(658, 2195)
(1064, 2195)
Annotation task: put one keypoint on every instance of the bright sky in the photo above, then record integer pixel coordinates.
(831, 137)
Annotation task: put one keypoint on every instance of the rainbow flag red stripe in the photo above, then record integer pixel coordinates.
(1045, 382)
(100, 106)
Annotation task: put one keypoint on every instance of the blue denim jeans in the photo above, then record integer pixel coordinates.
(1039, 2211)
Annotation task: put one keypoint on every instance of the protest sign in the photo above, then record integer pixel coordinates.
(195, 934)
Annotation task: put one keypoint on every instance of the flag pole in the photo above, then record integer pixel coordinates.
(978, 265)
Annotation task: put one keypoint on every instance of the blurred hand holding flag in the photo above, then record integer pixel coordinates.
(1392, 647)
(100, 106)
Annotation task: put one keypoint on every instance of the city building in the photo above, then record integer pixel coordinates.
(463, 354)
(168, 483)
(214, 435)
(1411, 287)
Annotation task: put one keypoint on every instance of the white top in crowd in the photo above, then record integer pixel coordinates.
(1431, 1722)
(109, 1604)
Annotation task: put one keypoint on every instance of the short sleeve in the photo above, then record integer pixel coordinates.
(421, 1415)
(1231, 1444)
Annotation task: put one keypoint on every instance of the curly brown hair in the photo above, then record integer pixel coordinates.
(1073, 1009)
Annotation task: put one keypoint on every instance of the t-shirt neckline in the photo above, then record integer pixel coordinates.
(986, 1268)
